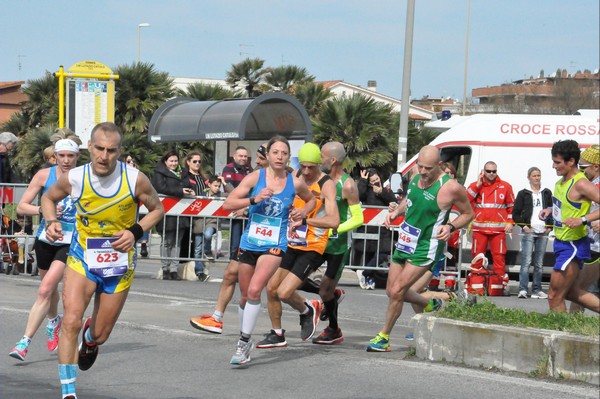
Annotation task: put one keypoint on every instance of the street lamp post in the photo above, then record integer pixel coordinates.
(140, 26)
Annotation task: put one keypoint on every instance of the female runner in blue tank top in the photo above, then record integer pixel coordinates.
(269, 192)
(51, 257)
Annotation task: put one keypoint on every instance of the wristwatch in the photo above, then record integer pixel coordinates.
(304, 221)
(584, 220)
(452, 227)
(252, 202)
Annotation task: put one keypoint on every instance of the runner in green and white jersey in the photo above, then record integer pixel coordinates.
(430, 196)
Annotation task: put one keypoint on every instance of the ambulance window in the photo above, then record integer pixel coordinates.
(460, 157)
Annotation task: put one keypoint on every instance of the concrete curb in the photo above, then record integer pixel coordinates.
(526, 350)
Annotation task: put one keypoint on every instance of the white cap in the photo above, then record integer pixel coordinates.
(66, 145)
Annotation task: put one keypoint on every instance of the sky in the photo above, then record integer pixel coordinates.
(351, 40)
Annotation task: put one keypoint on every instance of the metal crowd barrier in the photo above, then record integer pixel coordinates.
(365, 236)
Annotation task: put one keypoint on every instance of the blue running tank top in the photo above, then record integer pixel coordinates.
(267, 223)
(65, 208)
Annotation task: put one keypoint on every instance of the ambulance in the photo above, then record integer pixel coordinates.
(515, 142)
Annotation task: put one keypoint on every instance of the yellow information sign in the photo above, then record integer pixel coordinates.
(90, 96)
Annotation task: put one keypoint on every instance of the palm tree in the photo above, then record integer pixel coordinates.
(364, 126)
(312, 96)
(204, 92)
(17, 124)
(140, 90)
(30, 152)
(41, 107)
(249, 73)
(284, 78)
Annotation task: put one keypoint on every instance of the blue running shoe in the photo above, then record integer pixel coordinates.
(410, 337)
(379, 344)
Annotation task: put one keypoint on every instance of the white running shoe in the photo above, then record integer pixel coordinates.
(523, 294)
(539, 295)
(361, 280)
(242, 352)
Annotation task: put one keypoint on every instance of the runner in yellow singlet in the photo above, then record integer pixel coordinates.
(107, 194)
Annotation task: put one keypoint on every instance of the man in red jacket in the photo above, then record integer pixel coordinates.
(492, 200)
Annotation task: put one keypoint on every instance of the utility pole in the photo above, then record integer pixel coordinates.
(405, 100)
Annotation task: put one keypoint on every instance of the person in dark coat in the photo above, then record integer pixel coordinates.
(372, 193)
(168, 181)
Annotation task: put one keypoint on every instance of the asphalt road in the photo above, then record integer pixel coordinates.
(155, 353)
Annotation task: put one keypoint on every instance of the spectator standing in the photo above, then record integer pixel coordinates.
(8, 142)
(371, 192)
(528, 205)
(492, 200)
(168, 181)
(234, 173)
(205, 228)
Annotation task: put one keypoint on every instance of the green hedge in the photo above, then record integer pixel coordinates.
(487, 312)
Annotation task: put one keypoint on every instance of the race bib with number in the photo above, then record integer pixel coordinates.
(297, 237)
(408, 236)
(556, 212)
(104, 261)
(264, 230)
(67, 230)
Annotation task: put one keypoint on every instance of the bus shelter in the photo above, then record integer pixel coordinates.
(185, 119)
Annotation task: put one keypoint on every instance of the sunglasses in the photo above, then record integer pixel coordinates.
(491, 171)
(584, 167)
(196, 161)
(131, 161)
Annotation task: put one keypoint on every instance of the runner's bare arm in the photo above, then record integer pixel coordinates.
(332, 215)
(238, 198)
(461, 201)
(307, 196)
(146, 194)
(33, 189)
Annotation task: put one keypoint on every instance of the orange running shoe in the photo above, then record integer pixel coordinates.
(208, 323)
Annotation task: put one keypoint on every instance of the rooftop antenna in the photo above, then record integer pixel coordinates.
(243, 46)
(20, 64)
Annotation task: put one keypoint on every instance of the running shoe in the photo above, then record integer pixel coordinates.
(242, 352)
(433, 305)
(53, 334)
(207, 323)
(273, 340)
(87, 353)
(379, 344)
(20, 350)
(144, 250)
(523, 294)
(309, 321)
(410, 337)
(209, 255)
(361, 279)
(329, 336)
(339, 295)
(202, 277)
(539, 295)
(370, 283)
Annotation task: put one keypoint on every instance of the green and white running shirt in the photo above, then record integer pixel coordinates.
(417, 240)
